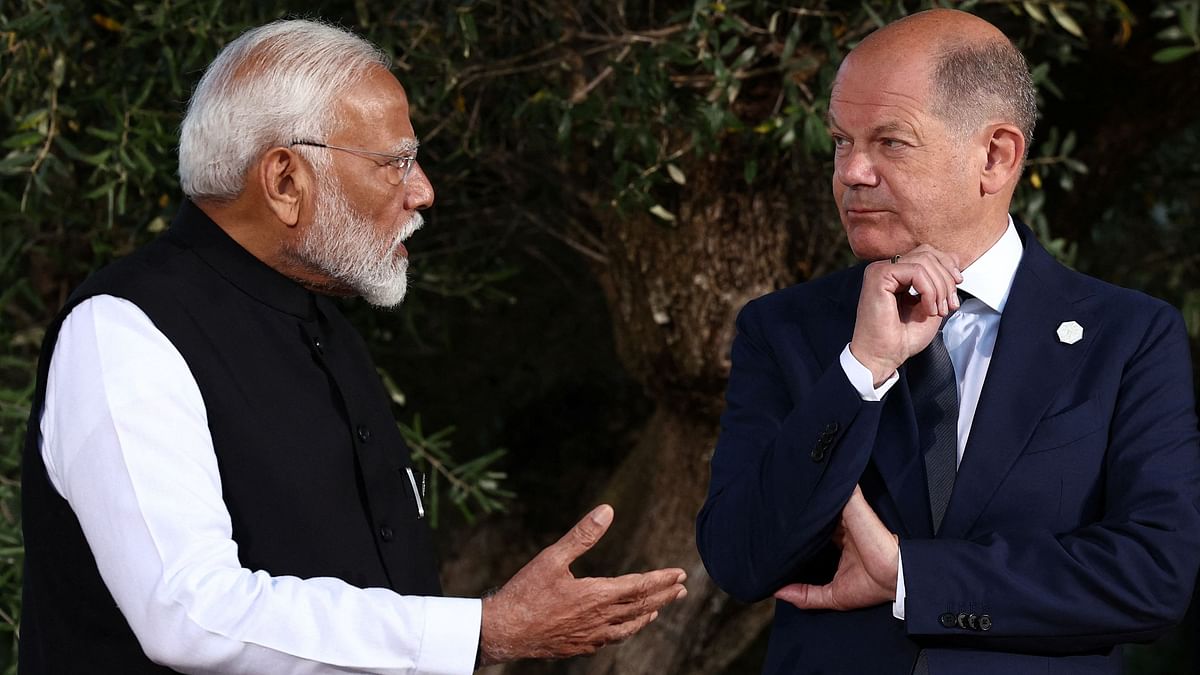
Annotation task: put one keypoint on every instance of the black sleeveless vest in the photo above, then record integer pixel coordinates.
(312, 465)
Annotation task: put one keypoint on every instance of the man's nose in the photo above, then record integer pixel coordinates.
(855, 169)
(418, 191)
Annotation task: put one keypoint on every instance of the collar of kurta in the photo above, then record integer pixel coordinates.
(237, 265)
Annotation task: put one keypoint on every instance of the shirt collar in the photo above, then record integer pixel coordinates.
(990, 277)
(237, 265)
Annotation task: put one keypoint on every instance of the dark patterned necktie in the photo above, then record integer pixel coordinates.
(934, 390)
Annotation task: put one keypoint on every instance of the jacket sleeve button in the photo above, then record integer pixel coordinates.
(985, 622)
(947, 620)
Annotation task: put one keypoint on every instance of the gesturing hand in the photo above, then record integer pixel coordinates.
(866, 573)
(545, 612)
(892, 324)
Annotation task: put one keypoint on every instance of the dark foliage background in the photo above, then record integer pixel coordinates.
(614, 181)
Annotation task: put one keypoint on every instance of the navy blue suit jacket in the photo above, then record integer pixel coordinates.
(1074, 525)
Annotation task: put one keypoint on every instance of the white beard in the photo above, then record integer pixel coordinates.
(343, 245)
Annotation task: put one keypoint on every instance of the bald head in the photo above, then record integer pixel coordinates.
(973, 73)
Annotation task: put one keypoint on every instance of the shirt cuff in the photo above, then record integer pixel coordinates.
(451, 636)
(860, 376)
(898, 604)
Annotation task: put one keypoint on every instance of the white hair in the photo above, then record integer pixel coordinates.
(272, 85)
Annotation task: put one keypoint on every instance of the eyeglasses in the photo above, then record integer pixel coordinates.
(398, 166)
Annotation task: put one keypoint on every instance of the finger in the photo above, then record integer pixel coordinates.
(622, 631)
(626, 611)
(942, 278)
(858, 514)
(583, 536)
(839, 535)
(807, 596)
(630, 587)
(867, 532)
(927, 288)
(946, 266)
(949, 261)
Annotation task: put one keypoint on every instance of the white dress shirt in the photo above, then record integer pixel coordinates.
(969, 335)
(125, 441)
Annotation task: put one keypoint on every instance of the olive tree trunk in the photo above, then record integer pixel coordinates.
(674, 291)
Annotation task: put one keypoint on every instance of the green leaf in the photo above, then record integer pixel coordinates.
(1176, 53)
(16, 164)
(661, 212)
(1189, 17)
(103, 190)
(1162, 11)
(1068, 144)
(745, 57)
(58, 71)
(26, 139)
(33, 119)
(789, 45)
(1075, 165)
(104, 134)
(1059, 11)
(1034, 11)
(873, 15)
(1171, 34)
(750, 171)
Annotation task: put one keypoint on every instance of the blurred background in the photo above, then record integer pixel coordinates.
(614, 181)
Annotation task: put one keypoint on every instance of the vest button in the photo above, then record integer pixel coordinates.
(385, 533)
(364, 434)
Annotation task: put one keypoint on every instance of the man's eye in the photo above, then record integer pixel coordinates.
(893, 143)
(840, 141)
(400, 162)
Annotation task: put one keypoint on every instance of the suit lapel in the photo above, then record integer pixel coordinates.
(1029, 364)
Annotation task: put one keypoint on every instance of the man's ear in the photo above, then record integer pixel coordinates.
(285, 182)
(1005, 155)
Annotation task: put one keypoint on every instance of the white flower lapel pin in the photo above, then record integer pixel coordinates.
(1070, 332)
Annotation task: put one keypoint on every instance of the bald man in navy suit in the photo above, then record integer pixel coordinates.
(958, 456)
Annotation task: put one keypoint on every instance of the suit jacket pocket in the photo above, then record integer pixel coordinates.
(1065, 427)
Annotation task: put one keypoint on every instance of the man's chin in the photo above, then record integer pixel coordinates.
(871, 251)
(870, 244)
(385, 298)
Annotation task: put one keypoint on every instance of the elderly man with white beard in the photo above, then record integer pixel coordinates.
(213, 481)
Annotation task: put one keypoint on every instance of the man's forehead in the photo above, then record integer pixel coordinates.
(883, 109)
(869, 84)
